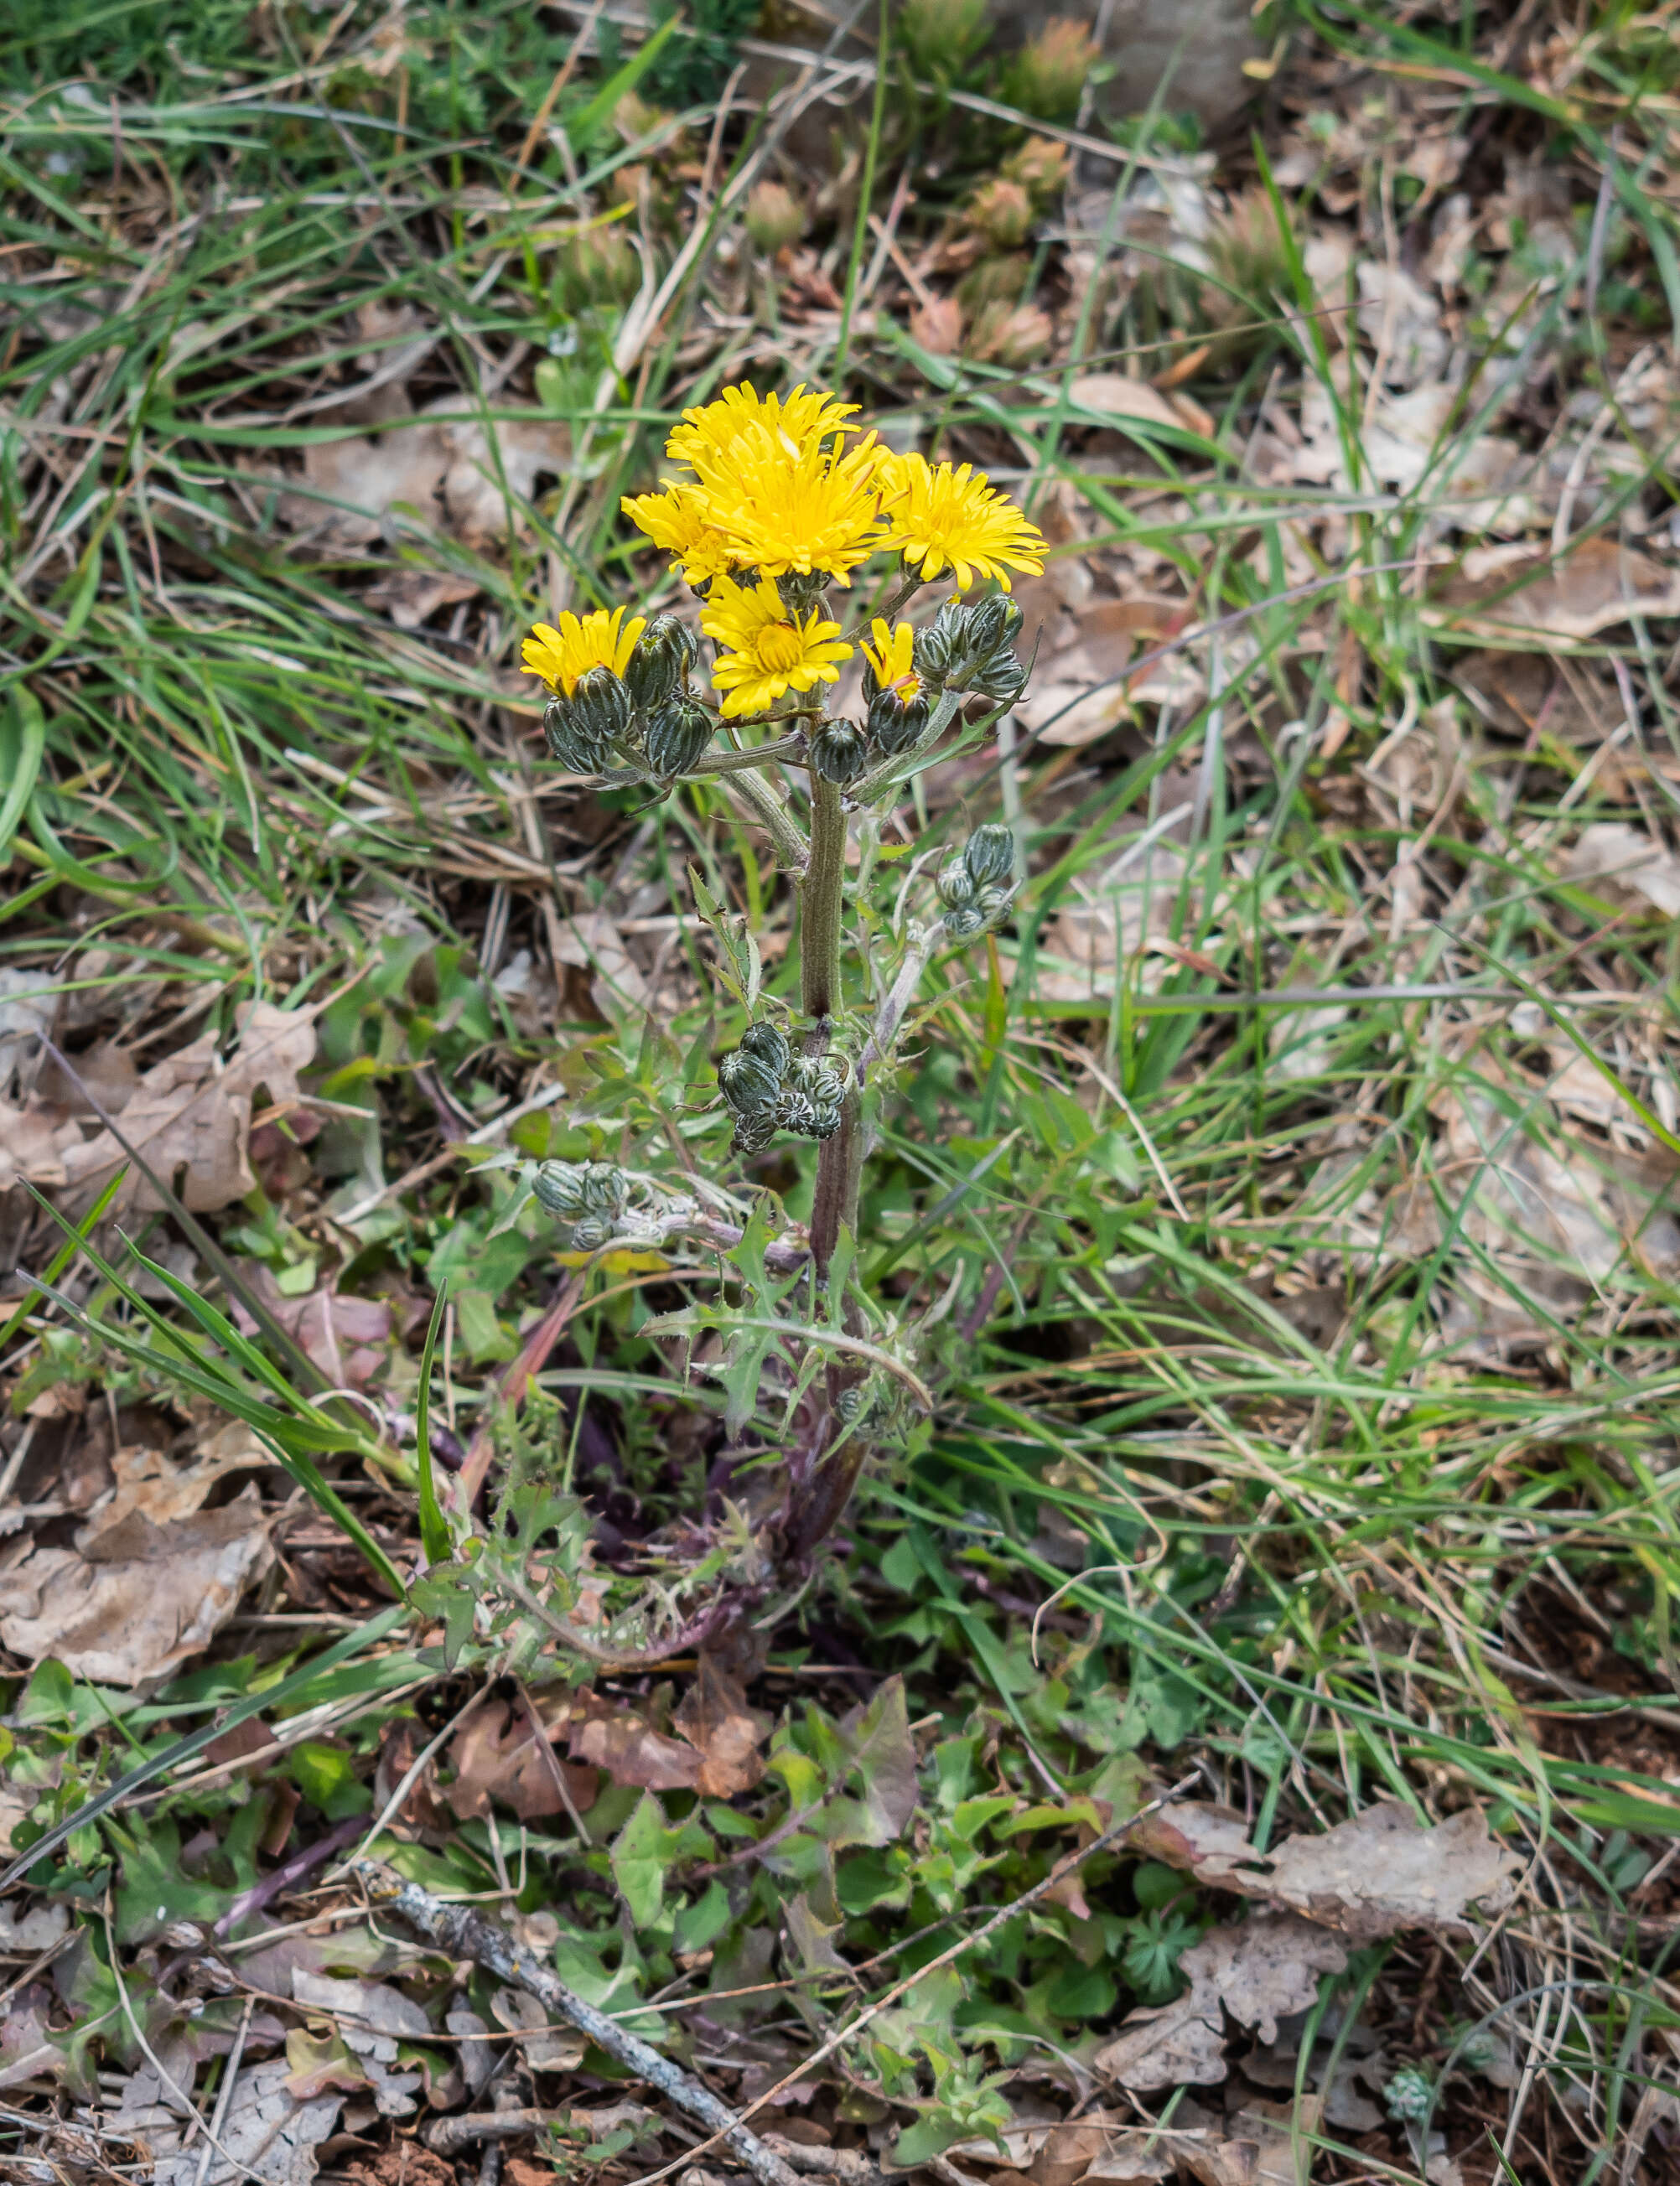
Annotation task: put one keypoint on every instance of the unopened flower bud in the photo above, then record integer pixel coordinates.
(989, 854)
(894, 723)
(775, 217)
(677, 734)
(838, 752)
(747, 1082)
(1003, 678)
(600, 705)
(597, 265)
(769, 1044)
(955, 886)
(659, 661)
(754, 1132)
(571, 1190)
(569, 742)
(589, 1235)
(994, 622)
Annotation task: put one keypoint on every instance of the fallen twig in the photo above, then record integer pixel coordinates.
(448, 2136)
(466, 1934)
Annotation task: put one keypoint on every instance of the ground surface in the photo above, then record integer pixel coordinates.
(1280, 1212)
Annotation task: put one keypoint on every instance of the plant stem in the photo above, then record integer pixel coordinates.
(736, 762)
(840, 1171)
(819, 941)
(791, 847)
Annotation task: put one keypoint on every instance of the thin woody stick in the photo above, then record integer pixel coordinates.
(466, 1934)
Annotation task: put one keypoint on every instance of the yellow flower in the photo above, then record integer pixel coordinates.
(941, 515)
(805, 511)
(679, 521)
(892, 657)
(798, 420)
(769, 650)
(560, 656)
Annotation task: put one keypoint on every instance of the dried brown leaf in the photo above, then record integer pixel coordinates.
(347, 1338)
(1598, 583)
(141, 1598)
(499, 1753)
(1377, 1873)
(725, 1732)
(1258, 1973)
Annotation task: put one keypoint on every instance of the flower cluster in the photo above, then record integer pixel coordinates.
(592, 1196)
(775, 506)
(975, 886)
(770, 1089)
(619, 699)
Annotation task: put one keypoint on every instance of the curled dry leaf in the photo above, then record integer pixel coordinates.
(715, 1752)
(1103, 2146)
(1259, 1973)
(1377, 1873)
(1626, 858)
(369, 2019)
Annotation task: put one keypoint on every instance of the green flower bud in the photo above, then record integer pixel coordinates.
(964, 921)
(753, 1133)
(747, 1082)
(606, 1189)
(558, 1188)
(600, 705)
(894, 724)
(939, 646)
(824, 1078)
(658, 666)
(769, 1044)
(568, 741)
(1003, 678)
(678, 733)
(989, 854)
(956, 885)
(838, 751)
(800, 589)
(993, 622)
(593, 1231)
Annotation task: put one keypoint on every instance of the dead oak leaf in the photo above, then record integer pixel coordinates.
(724, 1732)
(1377, 1873)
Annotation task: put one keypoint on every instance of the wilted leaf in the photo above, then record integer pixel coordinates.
(191, 1112)
(545, 2049)
(1611, 851)
(370, 2019)
(1597, 585)
(724, 1732)
(1259, 1973)
(1377, 1873)
(501, 1753)
(141, 1598)
(877, 1737)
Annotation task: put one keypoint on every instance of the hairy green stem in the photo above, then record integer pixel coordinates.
(819, 939)
(778, 822)
(736, 762)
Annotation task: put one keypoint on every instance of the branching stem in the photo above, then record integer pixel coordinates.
(778, 822)
(737, 762)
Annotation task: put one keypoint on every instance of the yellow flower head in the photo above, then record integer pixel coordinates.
(769, 651)
(798, 420)
(892, 657)
(939, 515)
(560, 656)
(679, 521)
(805, 511)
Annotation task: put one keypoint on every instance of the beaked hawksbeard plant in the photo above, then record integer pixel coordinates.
(777, 503)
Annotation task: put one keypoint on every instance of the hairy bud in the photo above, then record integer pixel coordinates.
(768, 1044)
(659, 663)
(747, 1082)
(568, 741)
(677, 734)
(895, 724)
(838, 752)
(589, 1235)
(571, 1190)
(989, 854)
(956, 885)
